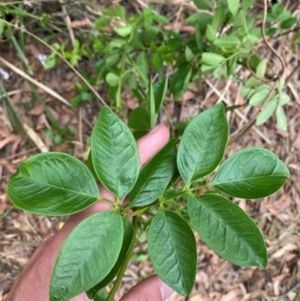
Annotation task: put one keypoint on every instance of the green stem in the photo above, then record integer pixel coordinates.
(201, 187)
(102, 199)
(124, 265)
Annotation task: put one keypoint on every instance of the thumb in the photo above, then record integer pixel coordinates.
(151, 289)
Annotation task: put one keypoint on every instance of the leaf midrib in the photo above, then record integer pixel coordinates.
(245, 179)
(61, 188)
(175, 251)
(91, 249)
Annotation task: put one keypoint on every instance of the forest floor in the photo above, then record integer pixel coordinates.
(217, 280)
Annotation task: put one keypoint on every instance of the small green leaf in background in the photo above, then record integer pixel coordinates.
(189, 55)
(206, 132)
(143, 66)
(155, 176)
(52, 184)
(139, 122)
(228, 230)
(87, 256)
(112, 79)
(160, 89)
(218, 17)
(172, 249)
(180, 80)
(288, 23)
(233, 6)
(210, 33)
(139, 119)
(283, 99)
(259, 95)
(227, 42)
(277, 9)
(114, 153)
(212, 59)
(251, 173)
(123, 31)
(281, 118)
(1, 26)
(267, 111)
(202, 4)
(247, 3)
(128, 239)
(261, 68)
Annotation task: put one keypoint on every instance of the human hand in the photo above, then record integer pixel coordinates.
(34, 281)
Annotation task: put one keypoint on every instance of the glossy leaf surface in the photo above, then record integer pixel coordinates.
(228, 230)
(52, 184)
(172, 250)
(128, 239)
(203, 144)
(87, 256)
(251, 173)
(114, 153)
(155, 176)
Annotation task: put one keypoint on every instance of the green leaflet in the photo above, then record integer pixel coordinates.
(115, 154)
(228, 230)
(172, 250)
(203, 144)
(155, 176)
(251, 173)
(128, 239)
(87, 255)
(52, 184)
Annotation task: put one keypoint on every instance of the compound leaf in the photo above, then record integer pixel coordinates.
(228, 230)
(155, 176)
(203, 144)
(87, 256)
(251, 173)
(114, 154)
(52, 184)
(172, 249)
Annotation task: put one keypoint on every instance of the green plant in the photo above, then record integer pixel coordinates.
(131, 48)
(100, 247)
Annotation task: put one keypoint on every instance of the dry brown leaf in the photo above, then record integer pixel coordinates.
(286, 248)
(36, 139)
(7, 140)
(36, 110)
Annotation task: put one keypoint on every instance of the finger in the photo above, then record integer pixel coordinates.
(151, 143)
(151, 289)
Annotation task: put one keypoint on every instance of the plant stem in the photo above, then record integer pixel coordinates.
(124, 265)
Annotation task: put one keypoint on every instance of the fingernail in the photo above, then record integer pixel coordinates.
(165, 291)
